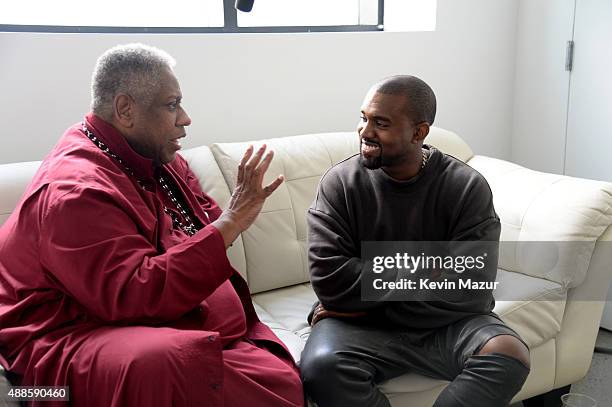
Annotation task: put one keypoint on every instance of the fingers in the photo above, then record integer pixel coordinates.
(319, 316)
(251, 165)
(263, 166)
(271, 187)
(261, 171)
(321, 313)
(245, 159)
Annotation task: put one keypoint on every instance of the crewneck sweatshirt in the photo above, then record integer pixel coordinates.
(446, 201)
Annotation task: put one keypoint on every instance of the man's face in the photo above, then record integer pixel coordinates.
(385, 132)
(159, 127)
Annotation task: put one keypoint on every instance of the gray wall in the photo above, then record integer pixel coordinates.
(240, 87)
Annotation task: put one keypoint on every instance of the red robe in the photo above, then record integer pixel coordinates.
(99, 292)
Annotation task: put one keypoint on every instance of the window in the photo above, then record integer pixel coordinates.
(217, 16)
(114, 13)
(410, 15)
(270, 13)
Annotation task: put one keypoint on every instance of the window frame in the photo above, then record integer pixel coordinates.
(230, 15)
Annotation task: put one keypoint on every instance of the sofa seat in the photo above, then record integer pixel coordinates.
(285, 310)
(536, 316)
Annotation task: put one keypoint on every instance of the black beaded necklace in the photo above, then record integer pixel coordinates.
(189, 226)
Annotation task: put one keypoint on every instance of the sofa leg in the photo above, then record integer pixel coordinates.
(550, 399)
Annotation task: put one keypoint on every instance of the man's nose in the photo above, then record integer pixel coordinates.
(184, 119)
(364, 129)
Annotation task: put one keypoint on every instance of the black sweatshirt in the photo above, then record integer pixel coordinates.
(447, 201)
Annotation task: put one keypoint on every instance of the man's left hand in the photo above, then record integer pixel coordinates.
(320, 313)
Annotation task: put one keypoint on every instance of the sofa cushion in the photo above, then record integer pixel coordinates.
(535, 206)
(275, 245)
(532, 306)
(204, 166)
(294, 342)
(14, 179)
(535, 312)
(289, 307)
(449, 143)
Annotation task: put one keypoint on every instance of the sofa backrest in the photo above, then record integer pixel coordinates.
(14, 178)
(551, 222)
(272, 253)
(275, 245)
(203, 164)
(449, 143)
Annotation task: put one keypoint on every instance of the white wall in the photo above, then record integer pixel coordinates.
(240, 87)
(542, 84)
(589, 125)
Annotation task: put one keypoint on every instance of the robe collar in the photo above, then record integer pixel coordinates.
(143, 167)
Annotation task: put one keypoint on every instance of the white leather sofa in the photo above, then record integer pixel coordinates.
(556, 312)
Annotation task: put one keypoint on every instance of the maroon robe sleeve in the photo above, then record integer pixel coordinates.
(93, 250)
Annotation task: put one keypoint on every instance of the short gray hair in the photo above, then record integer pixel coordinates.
(133, 69)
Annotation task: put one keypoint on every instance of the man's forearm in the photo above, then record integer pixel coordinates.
(228, 228)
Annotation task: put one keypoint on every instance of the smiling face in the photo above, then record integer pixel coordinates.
(158, 127)
(389, 139)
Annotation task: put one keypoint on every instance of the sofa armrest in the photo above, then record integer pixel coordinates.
(583, 310)
(573, 214)
(14, 179)
(570, 214)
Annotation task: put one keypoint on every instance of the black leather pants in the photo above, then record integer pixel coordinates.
(344, 360)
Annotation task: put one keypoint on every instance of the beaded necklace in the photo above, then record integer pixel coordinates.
(189, 226)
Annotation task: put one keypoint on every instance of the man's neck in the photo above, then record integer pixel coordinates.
(409, 169)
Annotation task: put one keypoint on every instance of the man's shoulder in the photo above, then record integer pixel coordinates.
(465, 187)
(75, 167)
(457, 172)
(86, 190)
(343, 171)
(76, 159)
(337, 182)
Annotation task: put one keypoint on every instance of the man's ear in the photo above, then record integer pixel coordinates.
(123, 110)
(421, 130)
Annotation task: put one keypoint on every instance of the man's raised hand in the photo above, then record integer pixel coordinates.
(249, 194)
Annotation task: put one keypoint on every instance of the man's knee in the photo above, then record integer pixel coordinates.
(507, 345)
(318, 366)
(332, 378)
(162, 352)
(492, 376)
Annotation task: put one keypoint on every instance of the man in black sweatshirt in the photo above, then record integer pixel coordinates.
(398, 189)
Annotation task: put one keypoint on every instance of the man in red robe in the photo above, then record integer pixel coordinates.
(114, 278)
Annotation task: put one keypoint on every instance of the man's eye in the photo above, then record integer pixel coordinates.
(363, 118)
(381, 124)
(172, 106)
